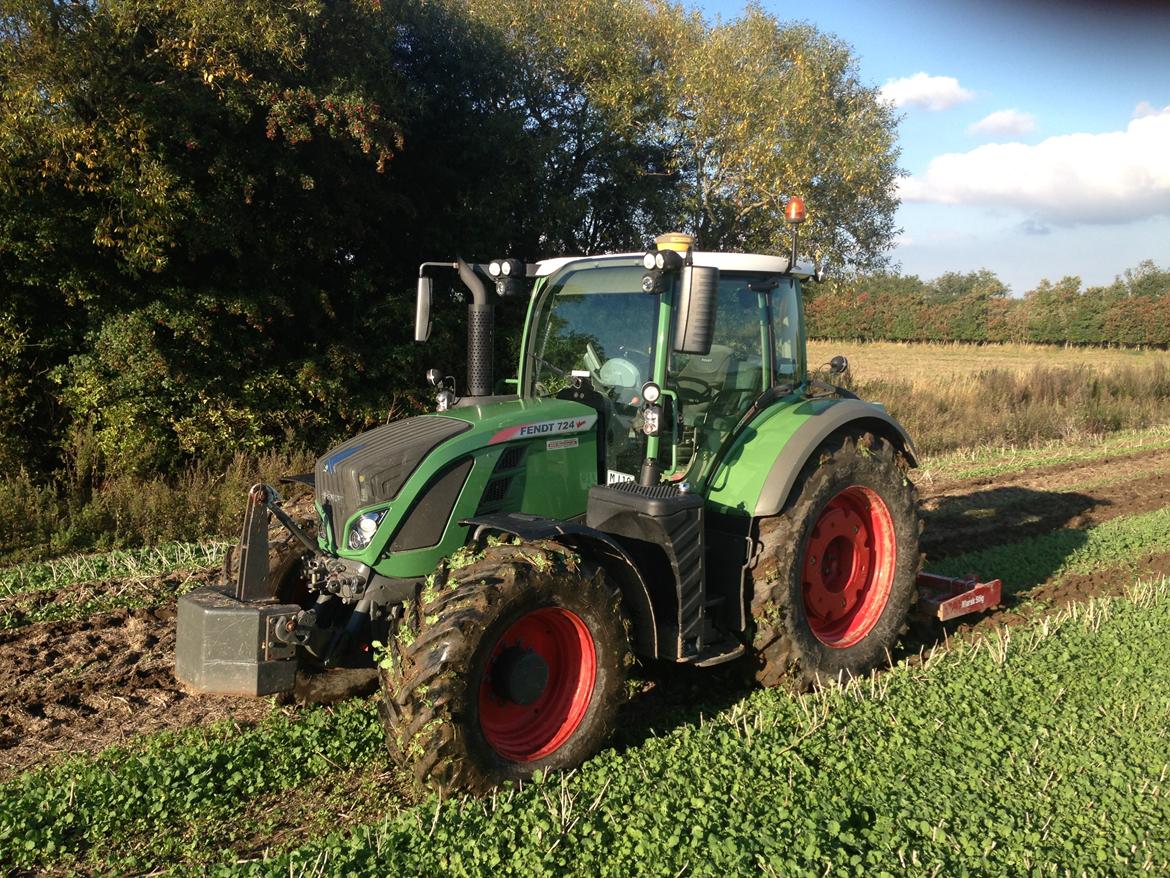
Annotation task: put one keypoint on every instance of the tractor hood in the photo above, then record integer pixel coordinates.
(398, 465)
(371, 467)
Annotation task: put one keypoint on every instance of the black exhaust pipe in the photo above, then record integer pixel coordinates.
(481, 330)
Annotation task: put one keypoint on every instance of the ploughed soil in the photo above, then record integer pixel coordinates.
(964, 516)
(82, 685)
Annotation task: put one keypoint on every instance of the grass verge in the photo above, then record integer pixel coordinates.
(129, 564)
(986, 461)
(81, 600)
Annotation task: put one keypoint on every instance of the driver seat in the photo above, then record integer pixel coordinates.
(709, 371)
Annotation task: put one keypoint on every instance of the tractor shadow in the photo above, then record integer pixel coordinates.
(959, 523)
(670, 696)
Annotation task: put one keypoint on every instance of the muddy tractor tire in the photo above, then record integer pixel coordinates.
(835, 583)
(512, 664)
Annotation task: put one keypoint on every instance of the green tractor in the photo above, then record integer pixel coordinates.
(665, 481)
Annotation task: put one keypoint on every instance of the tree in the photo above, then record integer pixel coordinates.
(730, 120)
(204, 206)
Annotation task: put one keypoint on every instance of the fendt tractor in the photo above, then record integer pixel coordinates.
(664, 481)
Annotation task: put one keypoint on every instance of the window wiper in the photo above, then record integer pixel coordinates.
(561, 373)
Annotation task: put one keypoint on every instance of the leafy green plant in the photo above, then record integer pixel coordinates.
(1118, 543)
(65, 811)
(131, 564)
(1038, 749)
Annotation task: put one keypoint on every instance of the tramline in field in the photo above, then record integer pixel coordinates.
(665, 480)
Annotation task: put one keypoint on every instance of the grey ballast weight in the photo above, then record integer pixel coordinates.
(227, 647)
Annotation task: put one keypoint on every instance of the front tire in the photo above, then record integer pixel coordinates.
(836, 580)
(512, 664)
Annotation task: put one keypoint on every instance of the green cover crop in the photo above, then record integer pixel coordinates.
(1038, 750)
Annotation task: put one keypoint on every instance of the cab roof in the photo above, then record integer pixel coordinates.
(723, 261)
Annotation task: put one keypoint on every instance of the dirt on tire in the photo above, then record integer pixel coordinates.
(432, 708)
(786, 649)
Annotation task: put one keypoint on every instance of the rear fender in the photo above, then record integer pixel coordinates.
(848, 415)
(600, 547)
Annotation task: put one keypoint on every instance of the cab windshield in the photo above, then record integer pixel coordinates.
(595, 318)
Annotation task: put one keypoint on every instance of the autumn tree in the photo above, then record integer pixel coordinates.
(734, 118)
(210, 214)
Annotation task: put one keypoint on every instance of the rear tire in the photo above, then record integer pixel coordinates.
(513, 664)
(836, 578)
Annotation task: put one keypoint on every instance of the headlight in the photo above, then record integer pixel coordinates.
(363, 530)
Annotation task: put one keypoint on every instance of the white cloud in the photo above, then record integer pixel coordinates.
(1144, 108)
(926, 91)
(1009, 123)
(1113, 177)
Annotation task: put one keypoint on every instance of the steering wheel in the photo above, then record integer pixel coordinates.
(695, 390)
(619, 372)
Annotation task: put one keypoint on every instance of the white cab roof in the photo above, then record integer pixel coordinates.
(722, 261)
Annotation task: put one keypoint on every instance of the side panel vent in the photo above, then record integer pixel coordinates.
(511, 460)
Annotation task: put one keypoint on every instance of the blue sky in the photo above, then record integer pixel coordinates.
(1081, 89)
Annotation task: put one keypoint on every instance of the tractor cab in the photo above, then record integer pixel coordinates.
(592, 320)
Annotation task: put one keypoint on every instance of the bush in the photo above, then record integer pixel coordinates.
(123, 511)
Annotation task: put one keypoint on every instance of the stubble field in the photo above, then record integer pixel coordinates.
(1031, 739)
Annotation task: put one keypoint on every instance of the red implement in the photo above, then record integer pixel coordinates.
(946, 597)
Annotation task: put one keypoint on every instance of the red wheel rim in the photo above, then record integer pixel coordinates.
(522, 719)
(848, 567)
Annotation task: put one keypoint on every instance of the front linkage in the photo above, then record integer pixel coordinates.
(242, 637)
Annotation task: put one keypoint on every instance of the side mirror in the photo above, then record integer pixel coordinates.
(837, 365)
(695, 326)
(422, 311)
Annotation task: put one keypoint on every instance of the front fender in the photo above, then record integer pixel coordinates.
(599, 546)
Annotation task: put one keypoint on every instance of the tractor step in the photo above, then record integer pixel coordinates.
(717, 653)
(948, 597)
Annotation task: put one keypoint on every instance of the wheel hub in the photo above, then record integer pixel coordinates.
(538, 684)
(519, 674)
(847, 568)
(838, 563)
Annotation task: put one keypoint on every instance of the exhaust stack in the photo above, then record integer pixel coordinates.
(481, 330)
